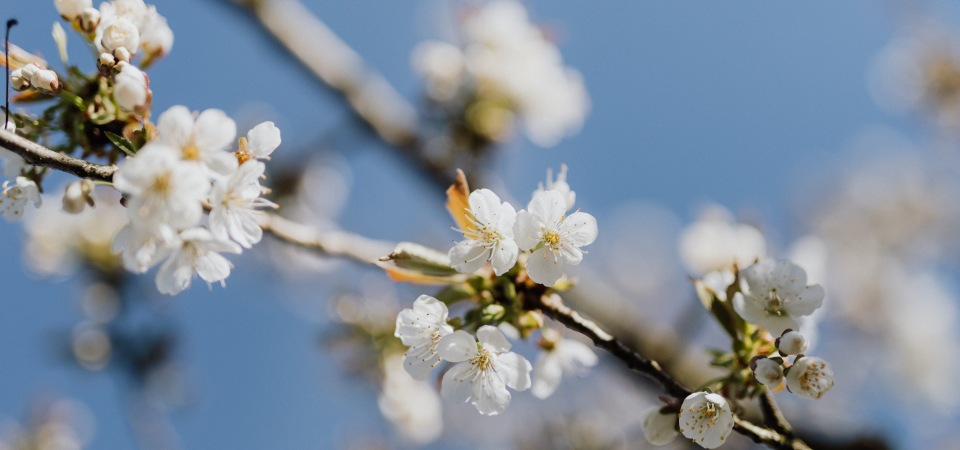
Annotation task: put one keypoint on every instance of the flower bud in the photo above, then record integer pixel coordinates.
(119, 32)
(492, 313)
(791, 343)
(46, 80)
(89, 20)
(659, 427)
(122, 54)
(77, 196)
(29, 70)
(810, 377)
(70, 9)
(130, 87)
(18, 81)
(106, 60)
(767, 371)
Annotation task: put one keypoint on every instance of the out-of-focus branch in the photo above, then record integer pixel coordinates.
(368, 94)
(39, 155)
(772, 416)
(333, 243)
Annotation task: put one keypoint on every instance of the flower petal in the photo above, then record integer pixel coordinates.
(544, 266)
(457, 384)
(263, 139)
(458, 346)
(468, 256)
(214, 130)
(491, 397)
(526, 230)
(504, 256)
(548, 206)
(175, 126)
(485, 206)
(493, 339)
(579, 229)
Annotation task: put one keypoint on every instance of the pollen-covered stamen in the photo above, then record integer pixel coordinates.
(552, 240)
(483, 360)
(161, 184)
(243, 151)
(191, 152)
(774, 304)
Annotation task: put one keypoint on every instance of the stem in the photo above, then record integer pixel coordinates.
(333, 243)
(39, 155)
(772, 415)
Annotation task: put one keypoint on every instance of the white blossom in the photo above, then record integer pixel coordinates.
(18, 81)
(143, 245)
(234, 201)
(421, 329)
(412, 406)
(810, 377)
(162, 188)
(715, 242)
(442, 66)
(560, 185)
(130, 88)
(485, 371)
(118, 32)
(768, 372)
(203, 140)
(76, 196)
(706, 419)
(15, 197)
(659, 428)
(198, 253)
(12, 162)
(559, 356)
(156, 37)
(792, 343)
(552, 236)
(489, 237)
(70, 9)
(260, 142)
(45, 79)
(131, 10)
(89, 19)
(775, 294)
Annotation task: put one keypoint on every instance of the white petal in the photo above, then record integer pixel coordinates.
(546, 375)
(575, 355)
(174, 276)
(457, 346)
(579, 229)
(175, 126)
(420, 366)
(504, 256)
(810, 298)
(220, 162)
(491, 397)
(263, 139)
(658, 428)
(429, 306)
(548, 206)
(485, 206)
(468, 256)
(526, 231)
(493, 339)
(214, 130)
(544, 266)
(457, 384)
(508, 218)
(572, 255)
(213, 267)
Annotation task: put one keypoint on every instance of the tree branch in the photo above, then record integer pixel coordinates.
(333, 243)
(772, 416)
(39, 155)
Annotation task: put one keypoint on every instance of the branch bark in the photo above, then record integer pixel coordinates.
(333, 243)
(39, 155)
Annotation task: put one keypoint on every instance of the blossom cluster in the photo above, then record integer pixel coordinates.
(173, 178)
(494, 231)
(505, 66)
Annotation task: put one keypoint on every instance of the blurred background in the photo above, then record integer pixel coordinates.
(829, 127)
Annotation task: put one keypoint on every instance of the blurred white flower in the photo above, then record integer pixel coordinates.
(716, 242)
(442, 66)
(552, 236)
(19, 81)
(130, 88)
(559, 356)
(421, 329)
(485, 371)
(560, 185)
(706, 419)
(204, 140)
(810, 377)
(156, 37)
(14, 199)
(131, 10)
(162, 188)
(412, 406)
(198, 253)
(768, 372)
(45, 79)
(12, 162)
(775, 294)
(234, 201)
(659, 428)
(70, 9)
(144, 245)
(489, 236)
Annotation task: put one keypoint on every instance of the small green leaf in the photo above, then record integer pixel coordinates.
(122, 143)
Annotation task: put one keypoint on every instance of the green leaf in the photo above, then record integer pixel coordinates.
(122, 143)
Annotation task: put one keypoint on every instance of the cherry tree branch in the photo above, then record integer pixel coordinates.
(332, 243)
(772, 416)
(39, 155)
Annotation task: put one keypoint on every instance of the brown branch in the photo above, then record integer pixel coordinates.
(39, 155)
(333, 243)
(772, 416)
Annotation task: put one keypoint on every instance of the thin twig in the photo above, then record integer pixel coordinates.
(39, 155)
(772, 415)
(333, 243)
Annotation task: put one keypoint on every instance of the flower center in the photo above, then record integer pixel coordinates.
(191, 152)
(161, 184)
(552, 239)
(774, 304)
(483, 360)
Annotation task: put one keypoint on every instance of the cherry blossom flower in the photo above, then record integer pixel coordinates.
(260, 142)
(792, 343)
(715, 242)
(162, 188)
(560, 185)
(144, 245)
(203, 140)
(489, 237)
(412, 406)
(235, 199)
(117, 32)
(130, 88)
(45, 79)
(156, 37)
(485, 371)
(421, 329)
(659, 427)
(552, 236)
(15, 197)
(810, 377)
(132, 10)
(767, 371)
(775, 294)
(559, 356)
(198, 253)
(706, 419)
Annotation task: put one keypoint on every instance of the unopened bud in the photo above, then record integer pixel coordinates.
(29, 70)
(130, 87)
(791, 343)
(46, 80)
(89, 20)
(767, 371)
(122, 54)
(106, 61)
(18, 81)
(77, 196)
(492, 313)
(119, 33)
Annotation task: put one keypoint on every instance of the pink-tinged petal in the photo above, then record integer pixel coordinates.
(810, 298)
(263, 139)
(468, 256)
(548, 206)
(508, 218)
(546, 375)
(457, 347)
(175, 126)
(504, 256)
(491, 397)
(515, 370)
(457, 384)
(526, 231)
(214, 130)
(493, 339)
(485, 206)
(579, 229)
(544, 267)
